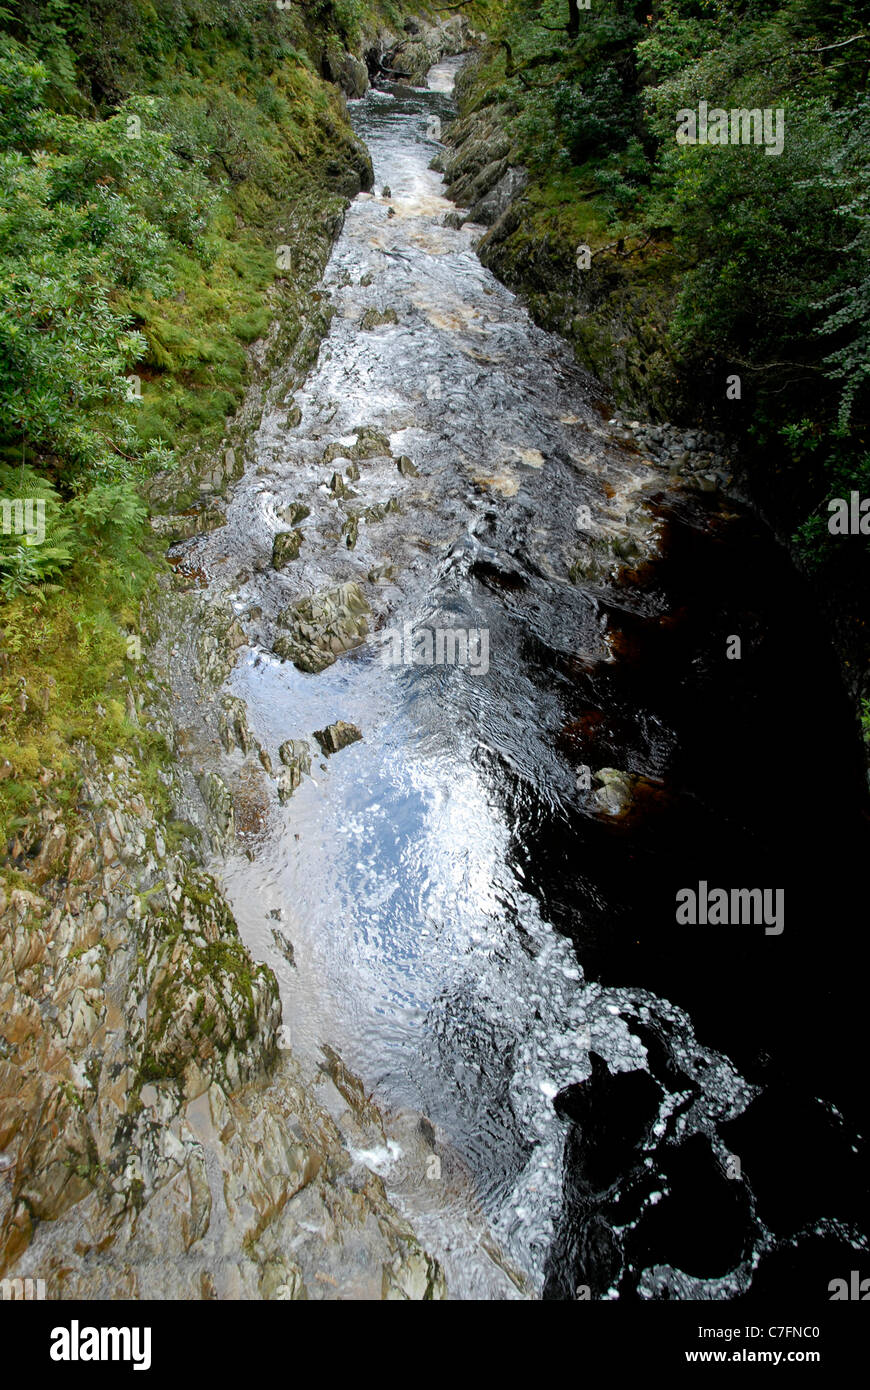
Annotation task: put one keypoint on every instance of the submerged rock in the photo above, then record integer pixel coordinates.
(376, 318)
(320, 628)
(337, 736)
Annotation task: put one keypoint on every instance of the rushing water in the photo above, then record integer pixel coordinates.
(469, 931)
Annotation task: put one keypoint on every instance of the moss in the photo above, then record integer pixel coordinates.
(219, 970)
(283, 153)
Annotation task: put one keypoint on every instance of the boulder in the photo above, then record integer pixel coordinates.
(321, 628)
(295, 754)
(285, 548)
(337, 736)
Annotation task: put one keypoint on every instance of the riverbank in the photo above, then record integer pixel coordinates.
(586, 213)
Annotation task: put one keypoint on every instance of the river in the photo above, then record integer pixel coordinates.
(471, 929)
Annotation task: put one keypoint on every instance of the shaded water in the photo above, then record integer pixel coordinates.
(469, 930)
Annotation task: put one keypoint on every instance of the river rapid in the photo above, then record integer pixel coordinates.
(621, 1106)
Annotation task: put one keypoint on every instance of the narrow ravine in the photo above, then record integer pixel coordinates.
(444, 902)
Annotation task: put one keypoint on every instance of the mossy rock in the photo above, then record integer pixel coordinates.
(285, 548)
(376, 318)
(211, 1014)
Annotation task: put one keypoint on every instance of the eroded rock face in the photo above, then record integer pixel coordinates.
(131, 1164)
(210, 1014)
(346, 71)
(322, 627)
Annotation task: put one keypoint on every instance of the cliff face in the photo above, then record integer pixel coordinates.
(615, 306)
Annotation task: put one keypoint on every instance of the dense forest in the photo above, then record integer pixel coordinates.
(706, 263)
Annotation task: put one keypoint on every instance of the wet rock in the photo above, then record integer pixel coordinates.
(285, 547)
(382, 574)
(294, 513)
(610, 1117)
(350, 1087)
(284, 946)
(337, 736)
(386, 192)
(338, 486)
(350, 531)
(407, 467)
(379, 510)
(371, 443)
(337, 450)
(197, 522)
(615, 790)
(295, 754)
(294, 417)
(233, 725)
(352, 472)
(377, 318)
(488, 209)
(321, 628)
